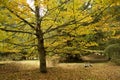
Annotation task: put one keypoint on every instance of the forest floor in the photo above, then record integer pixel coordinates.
(29, 70)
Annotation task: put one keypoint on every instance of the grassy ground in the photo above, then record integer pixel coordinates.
(29, 70)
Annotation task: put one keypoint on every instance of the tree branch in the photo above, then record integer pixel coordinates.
(66, 24)
(16, 31)
(20, 44)
(60, 26)
(21, 18)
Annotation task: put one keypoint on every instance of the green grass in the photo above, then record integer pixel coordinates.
(29, 70)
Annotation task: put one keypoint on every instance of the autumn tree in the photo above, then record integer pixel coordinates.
(15, 11)
(57, 26)
(19, 18)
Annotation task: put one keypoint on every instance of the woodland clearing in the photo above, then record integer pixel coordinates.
(29, 70)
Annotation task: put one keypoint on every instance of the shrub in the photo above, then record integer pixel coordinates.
(113, 52)
(70, 58)
(113, 41)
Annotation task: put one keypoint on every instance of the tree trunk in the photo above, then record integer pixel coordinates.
(42, 52)
(39, 35)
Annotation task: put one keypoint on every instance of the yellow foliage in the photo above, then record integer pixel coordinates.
(59, 13)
